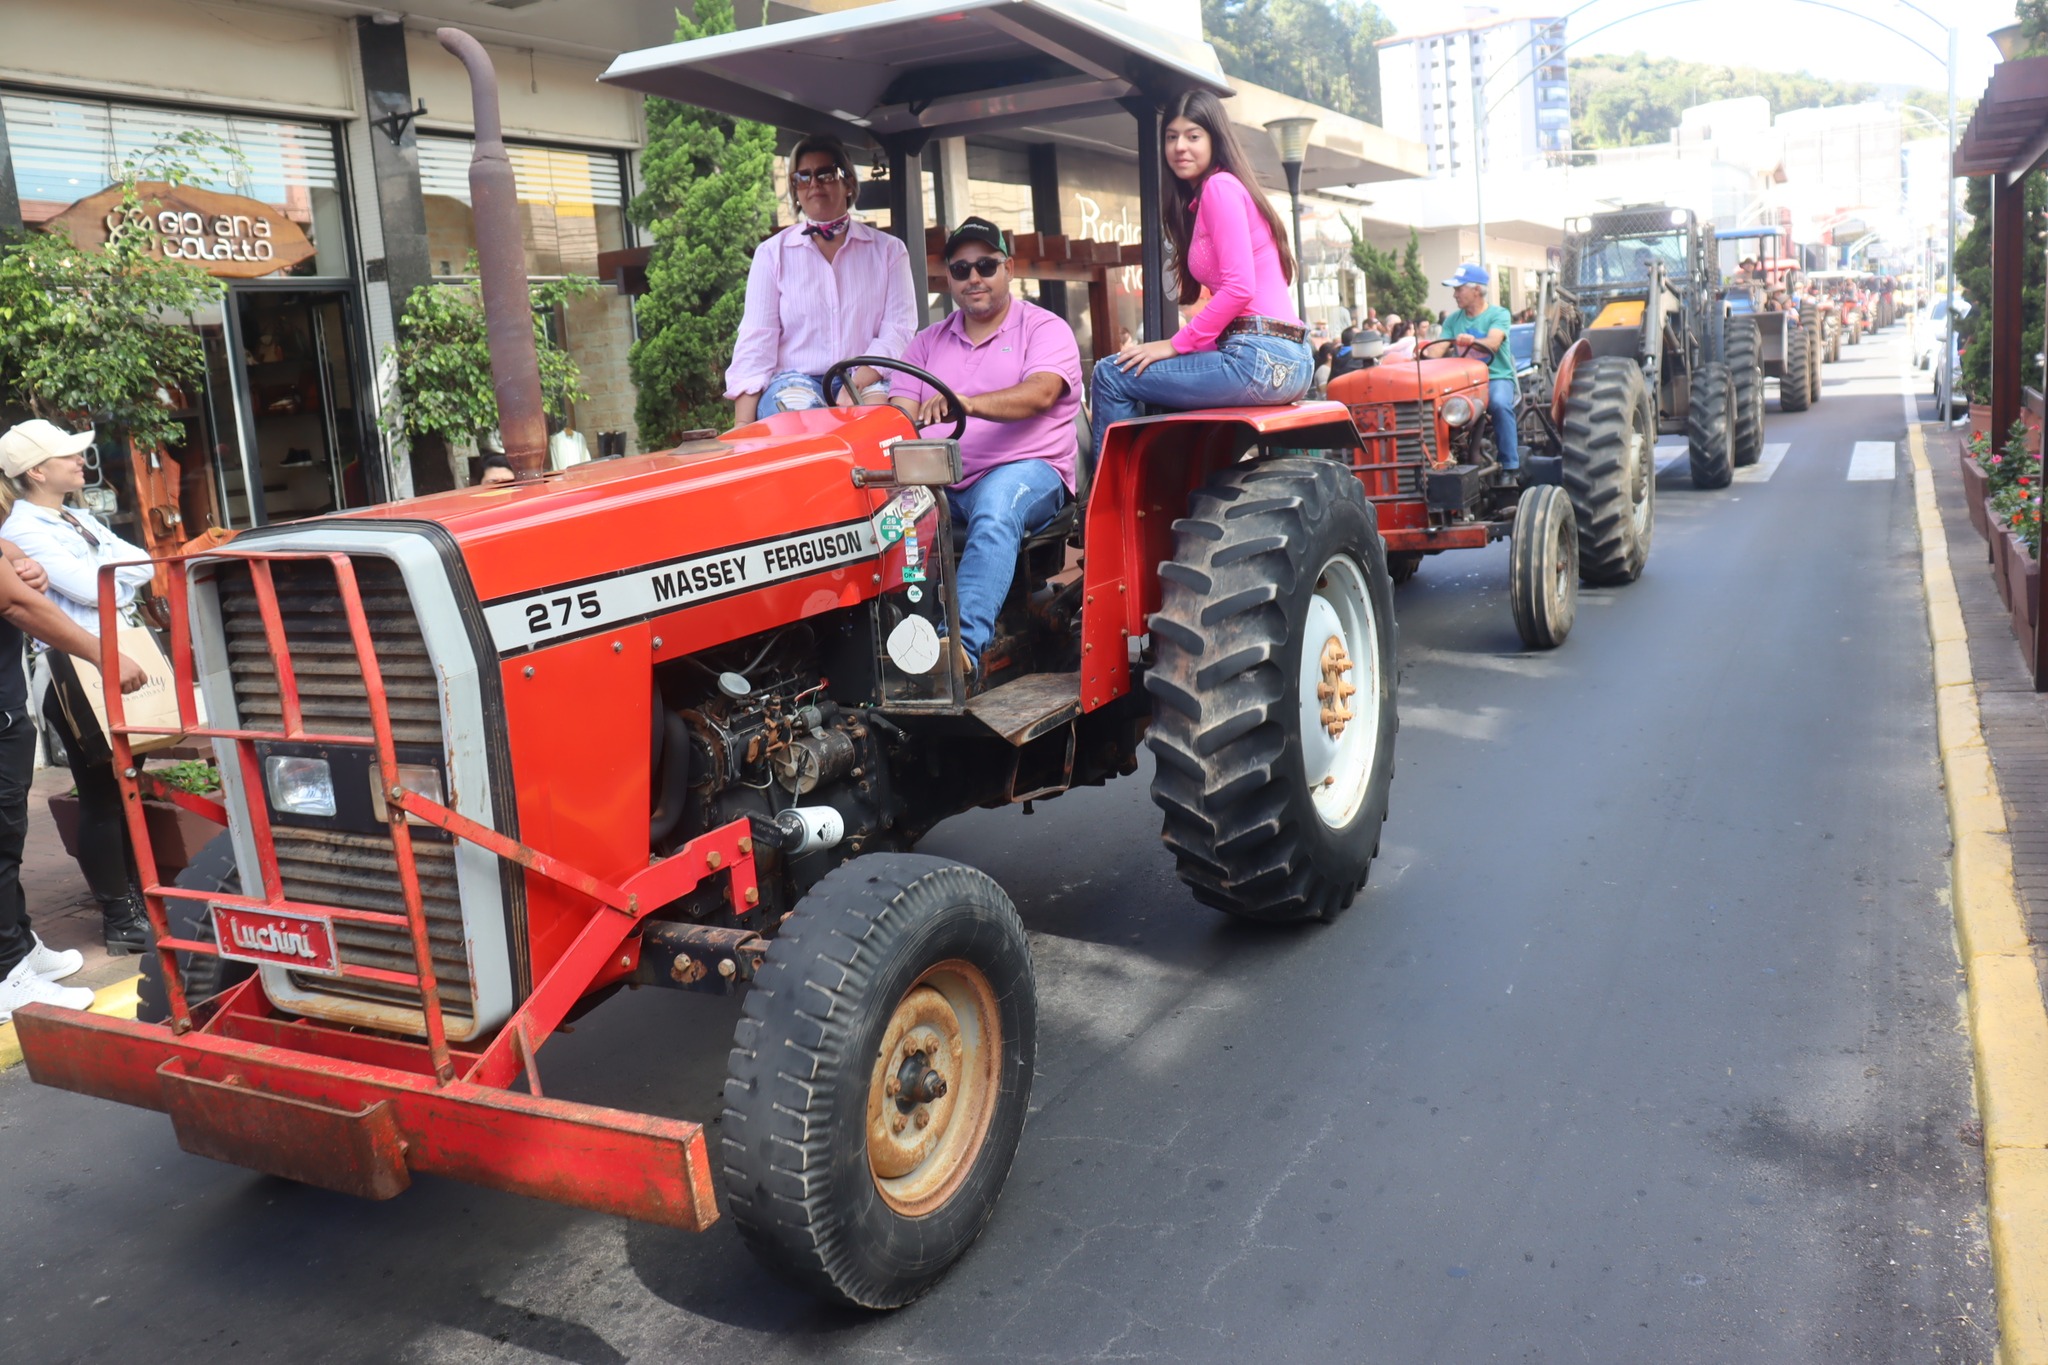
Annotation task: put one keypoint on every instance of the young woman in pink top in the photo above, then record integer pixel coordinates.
(1246, 345)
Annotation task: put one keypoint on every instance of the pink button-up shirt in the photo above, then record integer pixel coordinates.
(1031, 340)
(1231, 251)
(806, 314)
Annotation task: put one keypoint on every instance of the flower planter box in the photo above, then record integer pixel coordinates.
(2001, 552)
(2023, 592)
(1980, 419)
(175, 834)
(1976, 487)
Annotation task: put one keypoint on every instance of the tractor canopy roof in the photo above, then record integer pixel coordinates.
(906, 71)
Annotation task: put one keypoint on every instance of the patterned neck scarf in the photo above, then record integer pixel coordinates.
(825, 232)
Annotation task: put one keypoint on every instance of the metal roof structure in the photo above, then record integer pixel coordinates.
(907, 71)
(2008, 135)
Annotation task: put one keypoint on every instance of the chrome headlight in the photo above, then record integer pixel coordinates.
(1458, 410)
(299, 786)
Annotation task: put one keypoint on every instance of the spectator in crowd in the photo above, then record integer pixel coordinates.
(826, 288)
(1246, 345)
(494, 469)
(41, 466)
(1400, 343)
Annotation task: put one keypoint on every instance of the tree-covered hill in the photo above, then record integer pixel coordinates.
(1317, 50)
(1626, 101)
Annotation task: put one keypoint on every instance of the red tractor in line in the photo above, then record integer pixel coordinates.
(678, 720)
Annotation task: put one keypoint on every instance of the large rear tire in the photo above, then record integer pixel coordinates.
(847, 1170)
(1710, 428)
(1794, 386)
(1273, 682)
(203, 975)
(1543, 567)
(1610, 469)
(1814, 370)
(1746, 380)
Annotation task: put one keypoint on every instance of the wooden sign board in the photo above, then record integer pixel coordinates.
(223, 234)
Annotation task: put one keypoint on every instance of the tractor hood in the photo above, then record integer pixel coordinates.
(1410, 381)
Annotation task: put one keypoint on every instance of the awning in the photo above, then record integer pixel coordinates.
(913, 70)
(2008, 135)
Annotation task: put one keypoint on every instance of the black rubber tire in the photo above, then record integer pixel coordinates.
(1610, 469)
(1402, 564)
(1746, 380)
(202, 974)
(1710, 428)
(1834, 350)
(1814, 371)
(793, 1145)
(1230, 771)
(1794, 386)
(1543, 567)
(1855, 334)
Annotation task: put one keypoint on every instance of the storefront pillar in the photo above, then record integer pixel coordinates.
(394, 165)
(10, 198)
(1045, 215)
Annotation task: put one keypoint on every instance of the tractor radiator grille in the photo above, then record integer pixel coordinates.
(345, 868)
(1408, 432)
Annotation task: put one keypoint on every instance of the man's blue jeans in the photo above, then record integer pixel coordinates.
(1501, 397)
(1246, 370)
(997, 511)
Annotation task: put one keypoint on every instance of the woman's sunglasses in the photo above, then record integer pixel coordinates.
(985, 266)
(824, 177)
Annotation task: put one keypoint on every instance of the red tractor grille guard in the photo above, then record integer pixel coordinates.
(358, 1111)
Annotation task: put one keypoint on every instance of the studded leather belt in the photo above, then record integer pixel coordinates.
(1266, 327)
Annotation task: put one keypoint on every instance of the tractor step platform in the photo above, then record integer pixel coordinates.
(1023, 710)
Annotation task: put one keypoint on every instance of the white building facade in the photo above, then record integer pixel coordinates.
(1493, 89)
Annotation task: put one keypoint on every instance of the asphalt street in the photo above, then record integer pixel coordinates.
(1642, 1044)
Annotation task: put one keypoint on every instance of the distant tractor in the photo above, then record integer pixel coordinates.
(1789, 337)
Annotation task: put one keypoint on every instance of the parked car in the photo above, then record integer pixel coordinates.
(1929, 325)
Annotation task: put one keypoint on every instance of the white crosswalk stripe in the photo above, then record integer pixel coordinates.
(1874, 460)
(1767, 462)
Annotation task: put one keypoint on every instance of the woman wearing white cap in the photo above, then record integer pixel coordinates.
(42, 465)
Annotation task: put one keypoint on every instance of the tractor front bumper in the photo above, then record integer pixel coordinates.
(365, 1129)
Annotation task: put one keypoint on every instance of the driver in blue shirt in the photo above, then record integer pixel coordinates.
(1476, 321)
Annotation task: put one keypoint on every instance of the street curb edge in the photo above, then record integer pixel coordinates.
(2008, 1022)
(117, 1000)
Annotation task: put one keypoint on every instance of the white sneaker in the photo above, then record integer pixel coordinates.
(24, 987)
(52, 965)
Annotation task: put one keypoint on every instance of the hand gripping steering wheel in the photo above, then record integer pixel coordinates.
(1448, 343)
(954, 410)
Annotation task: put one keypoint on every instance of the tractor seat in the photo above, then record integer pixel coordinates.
(1067, 521)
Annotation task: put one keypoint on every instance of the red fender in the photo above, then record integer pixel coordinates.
(1581, 350)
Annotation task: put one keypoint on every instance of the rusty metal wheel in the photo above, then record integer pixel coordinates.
(934, 1086)
(879, 1078)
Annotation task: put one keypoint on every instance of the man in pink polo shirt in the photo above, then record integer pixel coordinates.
(1017, 371)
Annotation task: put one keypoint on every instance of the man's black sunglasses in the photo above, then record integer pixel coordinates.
(984, 266)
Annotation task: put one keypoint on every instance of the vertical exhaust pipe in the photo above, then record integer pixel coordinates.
(501, 257)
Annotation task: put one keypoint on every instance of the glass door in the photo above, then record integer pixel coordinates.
(304, 441)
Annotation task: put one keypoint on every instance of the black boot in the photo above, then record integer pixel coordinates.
(126, 925)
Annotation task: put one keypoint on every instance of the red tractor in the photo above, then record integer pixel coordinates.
(678, 720)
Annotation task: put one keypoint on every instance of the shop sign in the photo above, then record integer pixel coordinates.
(224, 234)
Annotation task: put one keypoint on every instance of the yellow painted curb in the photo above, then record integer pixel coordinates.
(2008, 1023)
(117, 1000)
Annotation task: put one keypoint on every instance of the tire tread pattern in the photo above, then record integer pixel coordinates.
(1603, 415)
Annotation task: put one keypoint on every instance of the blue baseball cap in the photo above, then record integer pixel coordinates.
(1468, 274)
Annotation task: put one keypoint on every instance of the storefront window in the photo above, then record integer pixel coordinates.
(572, 206)
(67, 150)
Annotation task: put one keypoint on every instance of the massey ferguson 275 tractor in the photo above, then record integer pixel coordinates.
(677, 720)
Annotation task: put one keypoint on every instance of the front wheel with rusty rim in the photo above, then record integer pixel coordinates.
(879, 1078)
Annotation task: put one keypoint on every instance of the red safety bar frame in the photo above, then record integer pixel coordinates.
(356, 1111)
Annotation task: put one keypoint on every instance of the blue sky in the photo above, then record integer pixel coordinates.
(1780, 35)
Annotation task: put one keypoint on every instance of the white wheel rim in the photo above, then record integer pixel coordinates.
(1340, 730)
(1639, 479)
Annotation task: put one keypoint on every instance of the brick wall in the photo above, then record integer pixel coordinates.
(598, 332)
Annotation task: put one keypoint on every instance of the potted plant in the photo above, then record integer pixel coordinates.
(443, 360)
(2007, 472)
(175, 834)
(1976, 483)
(2016, 514)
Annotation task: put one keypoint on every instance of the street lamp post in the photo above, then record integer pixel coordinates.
(1290, 139)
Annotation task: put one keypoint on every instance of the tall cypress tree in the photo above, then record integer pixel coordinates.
(709, 199)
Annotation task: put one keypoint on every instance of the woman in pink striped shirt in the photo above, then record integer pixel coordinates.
(1246, 346)
(824, 289)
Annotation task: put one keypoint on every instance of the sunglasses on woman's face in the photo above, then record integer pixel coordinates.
(985, 266)
(827, 176)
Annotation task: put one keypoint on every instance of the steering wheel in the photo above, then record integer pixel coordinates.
(954, 409)
(1450, 346)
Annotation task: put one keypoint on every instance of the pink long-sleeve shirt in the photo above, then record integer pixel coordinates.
(1232, 253)
(805, 313)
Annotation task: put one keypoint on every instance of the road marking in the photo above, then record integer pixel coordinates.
(1767, 462)
(1874, 460)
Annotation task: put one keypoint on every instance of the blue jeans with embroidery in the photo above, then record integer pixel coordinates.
(1245, 370)
(995, 513)
(1501, 397)
(793, 391)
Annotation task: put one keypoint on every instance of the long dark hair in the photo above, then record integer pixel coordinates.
(1177, 196)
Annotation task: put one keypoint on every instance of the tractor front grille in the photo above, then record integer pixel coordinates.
(1404, 432)
(347, 868)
